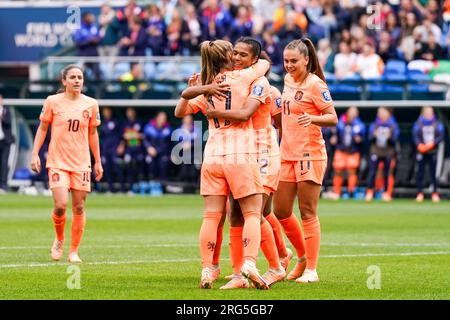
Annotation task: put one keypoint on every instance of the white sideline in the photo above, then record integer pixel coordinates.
(174, 245)
(400, 254)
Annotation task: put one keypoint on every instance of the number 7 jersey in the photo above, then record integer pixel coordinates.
(70, 122)
(312, 97)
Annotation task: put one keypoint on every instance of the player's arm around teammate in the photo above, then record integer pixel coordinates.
(73, 118)
(219, 169)
(307, 106)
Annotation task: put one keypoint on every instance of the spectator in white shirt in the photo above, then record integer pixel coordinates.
(369, 64)
(344, 61)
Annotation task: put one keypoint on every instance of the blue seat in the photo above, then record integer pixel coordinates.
(421, 91)
(330, 77)
(385, 92)
(418, 76)
(345, 91)
(418, 87)
(355, 77)
(395, 66)
(120, 68)
(394, 77)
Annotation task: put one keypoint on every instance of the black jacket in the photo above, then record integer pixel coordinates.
(5, 118)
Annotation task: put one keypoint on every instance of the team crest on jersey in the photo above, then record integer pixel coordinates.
(299, 95)
(257, 90)
(278, 102)
(85, 115)
(326, 96)
(55, 177)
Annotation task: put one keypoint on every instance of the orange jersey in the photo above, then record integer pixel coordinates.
(70, 121)
(225, 136)
(276, 101)
(312, 97)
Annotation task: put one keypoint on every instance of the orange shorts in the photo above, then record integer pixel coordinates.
(343, 160)
(222, 174)
(303, 170)
(269, 168)
(72, 180)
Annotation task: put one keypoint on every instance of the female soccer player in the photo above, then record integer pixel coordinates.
(428, 133)
(229, 161)
(246, 53)
(307, 106)
(74, 119)
(383, 135)
(350, 133)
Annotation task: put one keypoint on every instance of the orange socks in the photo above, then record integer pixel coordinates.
(251, 235)
(337, 184)
(278, 234)
(391, 182)
(293, 231)
(312, 241)
(236, 249)
(208, 237)
(78, 223)
(352, 181)
(268, 246)
(219, 239)
(59, 223)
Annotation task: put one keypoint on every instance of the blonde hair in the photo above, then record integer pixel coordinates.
(306, 47)
(214, 56)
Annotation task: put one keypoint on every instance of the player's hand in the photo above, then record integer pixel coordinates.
(152, 152)
(194, 80)
(422, 148)
(98, 170)
(35, 163)
(210, 111)
(429, 146)
(218, 90)
(304, 120)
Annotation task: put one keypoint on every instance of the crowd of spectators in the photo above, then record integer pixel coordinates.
(352, 36)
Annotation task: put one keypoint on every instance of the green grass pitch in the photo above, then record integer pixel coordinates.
(147, 248)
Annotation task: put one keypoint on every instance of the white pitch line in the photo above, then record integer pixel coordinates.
(174, 245)
(111, 246)
(53, 264)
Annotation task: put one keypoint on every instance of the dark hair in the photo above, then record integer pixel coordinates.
(306, 47)
(253, 43)
(64, 73)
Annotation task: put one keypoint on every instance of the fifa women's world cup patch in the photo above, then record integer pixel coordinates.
(257, 90)
(278, 102)
(326, 96)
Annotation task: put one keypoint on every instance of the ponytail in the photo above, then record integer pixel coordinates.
(306, 47)
(214, 56)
